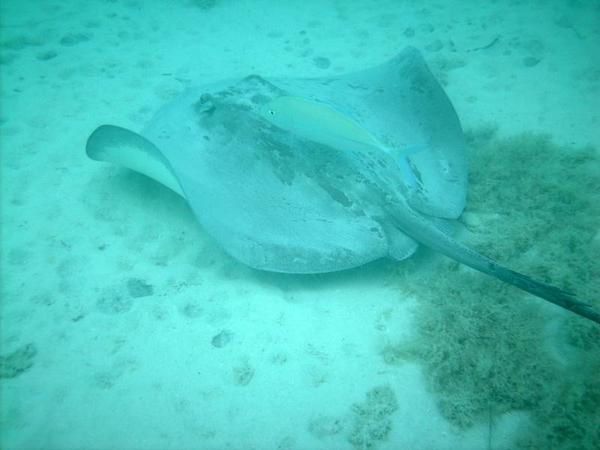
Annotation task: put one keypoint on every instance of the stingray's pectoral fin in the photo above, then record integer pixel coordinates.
(128, 149)
(412, 149)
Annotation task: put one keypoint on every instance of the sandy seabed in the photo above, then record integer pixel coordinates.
(124, 326)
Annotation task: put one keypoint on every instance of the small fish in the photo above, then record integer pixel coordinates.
(321, 123)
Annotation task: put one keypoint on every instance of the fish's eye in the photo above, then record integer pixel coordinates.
(271, 112)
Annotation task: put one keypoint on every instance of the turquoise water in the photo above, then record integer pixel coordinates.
(127, 325)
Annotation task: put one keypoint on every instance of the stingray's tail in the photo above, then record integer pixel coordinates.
(422, 230)
(553, 294)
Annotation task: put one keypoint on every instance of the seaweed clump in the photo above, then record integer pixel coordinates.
(204, 4)
(18, 361)
(372, 418)
(488, 348)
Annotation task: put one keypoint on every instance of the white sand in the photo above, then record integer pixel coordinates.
(74, 231)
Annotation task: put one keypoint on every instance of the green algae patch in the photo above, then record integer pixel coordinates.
(487, 348)
(17, 362)
(371, 419)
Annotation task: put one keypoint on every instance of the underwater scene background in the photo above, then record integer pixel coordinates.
(123, 325)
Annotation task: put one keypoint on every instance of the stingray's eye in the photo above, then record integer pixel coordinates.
(271, 112)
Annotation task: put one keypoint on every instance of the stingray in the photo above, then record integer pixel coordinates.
(312, 175)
